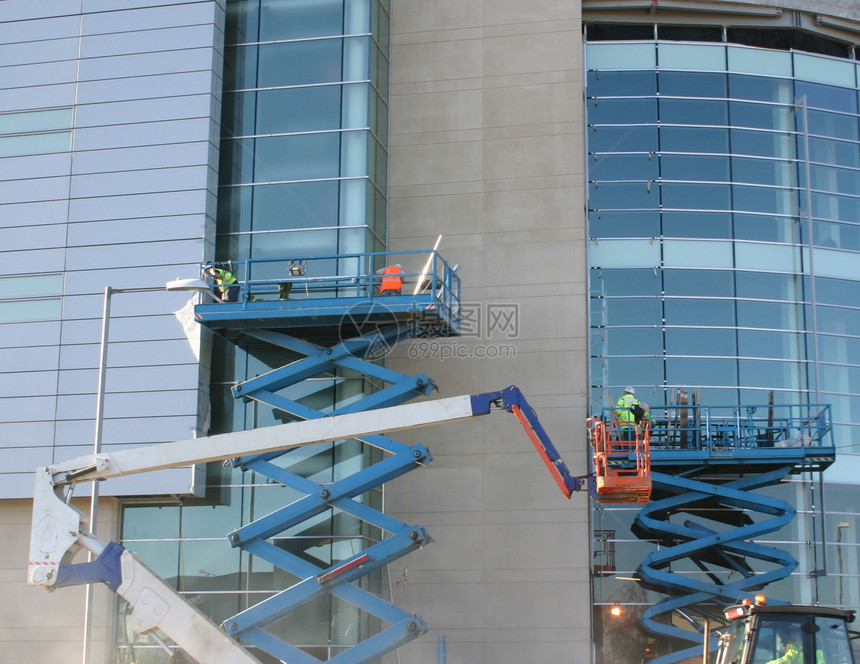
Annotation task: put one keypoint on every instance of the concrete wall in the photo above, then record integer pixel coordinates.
(486, 149)
(122, 195)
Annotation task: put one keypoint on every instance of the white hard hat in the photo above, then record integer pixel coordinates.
(397, 265)
(630, 390)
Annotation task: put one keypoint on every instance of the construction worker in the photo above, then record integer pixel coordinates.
(392, 280)
(630, 412)
(225, 281)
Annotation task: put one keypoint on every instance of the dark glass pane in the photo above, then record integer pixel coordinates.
(624, 282)
(297, 205)
(240, 67)
(767, 228)
(763, 116)
(764, 171)
(622, 139)
(697, 224)
(837, 292)
(781, 345)
(833, 124)
(769, 286)
(694, 167)
(836, 180)
(703, 312)
(835, 207)
(629, 341)
(693, 372)
(293, 19)
(632, 311)
(621, 83)
(636, 370)
(771, 315)
(298, 109)
(238, 113)
(826, 96)
(694, 111)
(762, 143)
(237, 161)
(694, 139)
(840, 236)
(759, 88)
(761, 373)
(234, 209)
(297, 63)
(696, 196)
(604, 167)
(699, 341)
(702, 283)
(692, 84)
(829, 151)
(622, 195)
(765, 199)
(623, 223)
(621, 111)
(243, 20)
(301, 157)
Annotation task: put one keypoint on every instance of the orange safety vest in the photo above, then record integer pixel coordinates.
(391, 279)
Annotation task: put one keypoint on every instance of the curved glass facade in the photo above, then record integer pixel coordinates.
(724, 226)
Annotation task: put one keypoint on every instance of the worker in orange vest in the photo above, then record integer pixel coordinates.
(392, 280)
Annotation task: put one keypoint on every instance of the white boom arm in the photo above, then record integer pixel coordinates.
(57, 527)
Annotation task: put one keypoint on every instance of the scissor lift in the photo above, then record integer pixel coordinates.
(328, 310)
(707, 465)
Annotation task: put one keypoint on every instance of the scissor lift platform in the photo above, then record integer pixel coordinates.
(301, 297)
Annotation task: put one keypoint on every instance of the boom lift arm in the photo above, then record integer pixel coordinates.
(58, 528)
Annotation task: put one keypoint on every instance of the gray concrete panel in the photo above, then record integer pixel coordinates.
(27, 434)
(42, 96)
(163, 352)
(44, 50)
(124, 231)
(145, 87)
(139, 134)
(139, 182)
(164, 403)
(34, 261)
(166, 39)
(134, 377)
(132, 255)
(24, 10)
(35, 190)
(131, 431)
(149, 156)
(41, 333)
(31, 166)
(149, 18)
(28, 384)
(36, 358)
(28, 237)
(48, 73)
(32, 409)
(146, 64)
(147, 110)
(140, 205)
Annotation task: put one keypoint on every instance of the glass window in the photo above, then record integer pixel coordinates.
(629, 341)
(622, 139)
(691, 56)
(294, 19)
(765, 199)
(767, 228)
(296, 205)
(297, 63)
(760, 88)
(696, 196)
(298, 109)
(26, 310)
(696, 253)
(243, 21)
(623, 223)
(31, 286)
(622, 195)
(701, 371)
(769, 286)
(762, 373)
(827, 96)
(16, 146)
(771, 315)
(781, 345)
(622, 83)
(32, 121)
(299, 157)
(762, 116)
(624, 282)
(837, 292)
(834, 125)
(622, 167)
(762, 143)
(833, 152)
(625, 253)
(694, 112)
(619, 56)
(694, 139)
(695, 167)
(701, 283)
(240, 66)
(835, 207)
(836, 180)
(697, 224)
(621, 111)
(632, 311)
(839, 320)
(636, 370)
(700, 312)
(688, 84)
(764, 171)
(700, 341)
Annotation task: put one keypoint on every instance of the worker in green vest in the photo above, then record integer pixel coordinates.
(629, 413)
(225, 281)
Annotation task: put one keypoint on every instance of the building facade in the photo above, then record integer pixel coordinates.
(680, 181)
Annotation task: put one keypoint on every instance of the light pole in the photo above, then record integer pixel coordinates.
(839, 528)
(191, 285)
